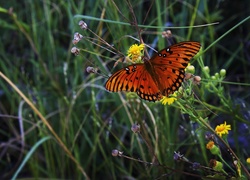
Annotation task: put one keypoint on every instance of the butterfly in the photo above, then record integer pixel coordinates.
(159, 76)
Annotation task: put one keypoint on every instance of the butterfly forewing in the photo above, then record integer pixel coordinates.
(176, 56)
(169, 65)
(126, 79)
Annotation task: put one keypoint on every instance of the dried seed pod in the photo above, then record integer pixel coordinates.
(90, 69)
(197, 80)
(188, 76)
(82, 24)
(75, 50)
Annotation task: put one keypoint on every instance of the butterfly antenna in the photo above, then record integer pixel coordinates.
(134, 20)
(150, 7)
(136, 26)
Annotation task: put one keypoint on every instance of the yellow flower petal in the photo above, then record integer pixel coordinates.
(210, 144)
(222, 129)
(135, 52)
(248, 160)
(169, 100)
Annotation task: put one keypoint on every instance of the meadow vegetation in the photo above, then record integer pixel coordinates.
(59, 122)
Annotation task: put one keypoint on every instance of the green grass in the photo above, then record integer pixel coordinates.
(71, 123)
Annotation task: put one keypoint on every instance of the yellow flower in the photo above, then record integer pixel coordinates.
(222, 129)
(135, 52)
(210, 144)
(169, 100)
(248, 160)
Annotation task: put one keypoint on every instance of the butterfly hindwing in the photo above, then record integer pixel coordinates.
(148, 89)
(170, 79)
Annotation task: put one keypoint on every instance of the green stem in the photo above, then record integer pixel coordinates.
(224, 162)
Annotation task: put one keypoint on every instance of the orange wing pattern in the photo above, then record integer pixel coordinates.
(161, 75)
(170, 63)
(134, 78)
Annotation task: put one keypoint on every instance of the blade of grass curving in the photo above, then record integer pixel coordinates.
(194, 14)
(226, 33)
(27, 157)
(142, 26)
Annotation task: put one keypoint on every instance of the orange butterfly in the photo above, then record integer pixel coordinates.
(160, 76)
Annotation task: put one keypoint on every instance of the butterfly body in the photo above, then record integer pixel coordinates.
(160, 76)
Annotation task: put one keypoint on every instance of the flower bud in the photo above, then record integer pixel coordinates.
(213, 148)
(206, 69)
(75, 50)
(190, 69)
(188, 76)
(90, 69)
(216, 165)
(210, 144)
(197, 80)
(222, 72)
(78, 36)
(82, 24)
(116, 152)
(216, 75)
(248, 161)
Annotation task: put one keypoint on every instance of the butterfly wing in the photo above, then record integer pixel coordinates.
(170, 63)
(161, 75)
(134, 78)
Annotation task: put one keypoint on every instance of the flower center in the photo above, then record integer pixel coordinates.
(135, 51)
(221, 128)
